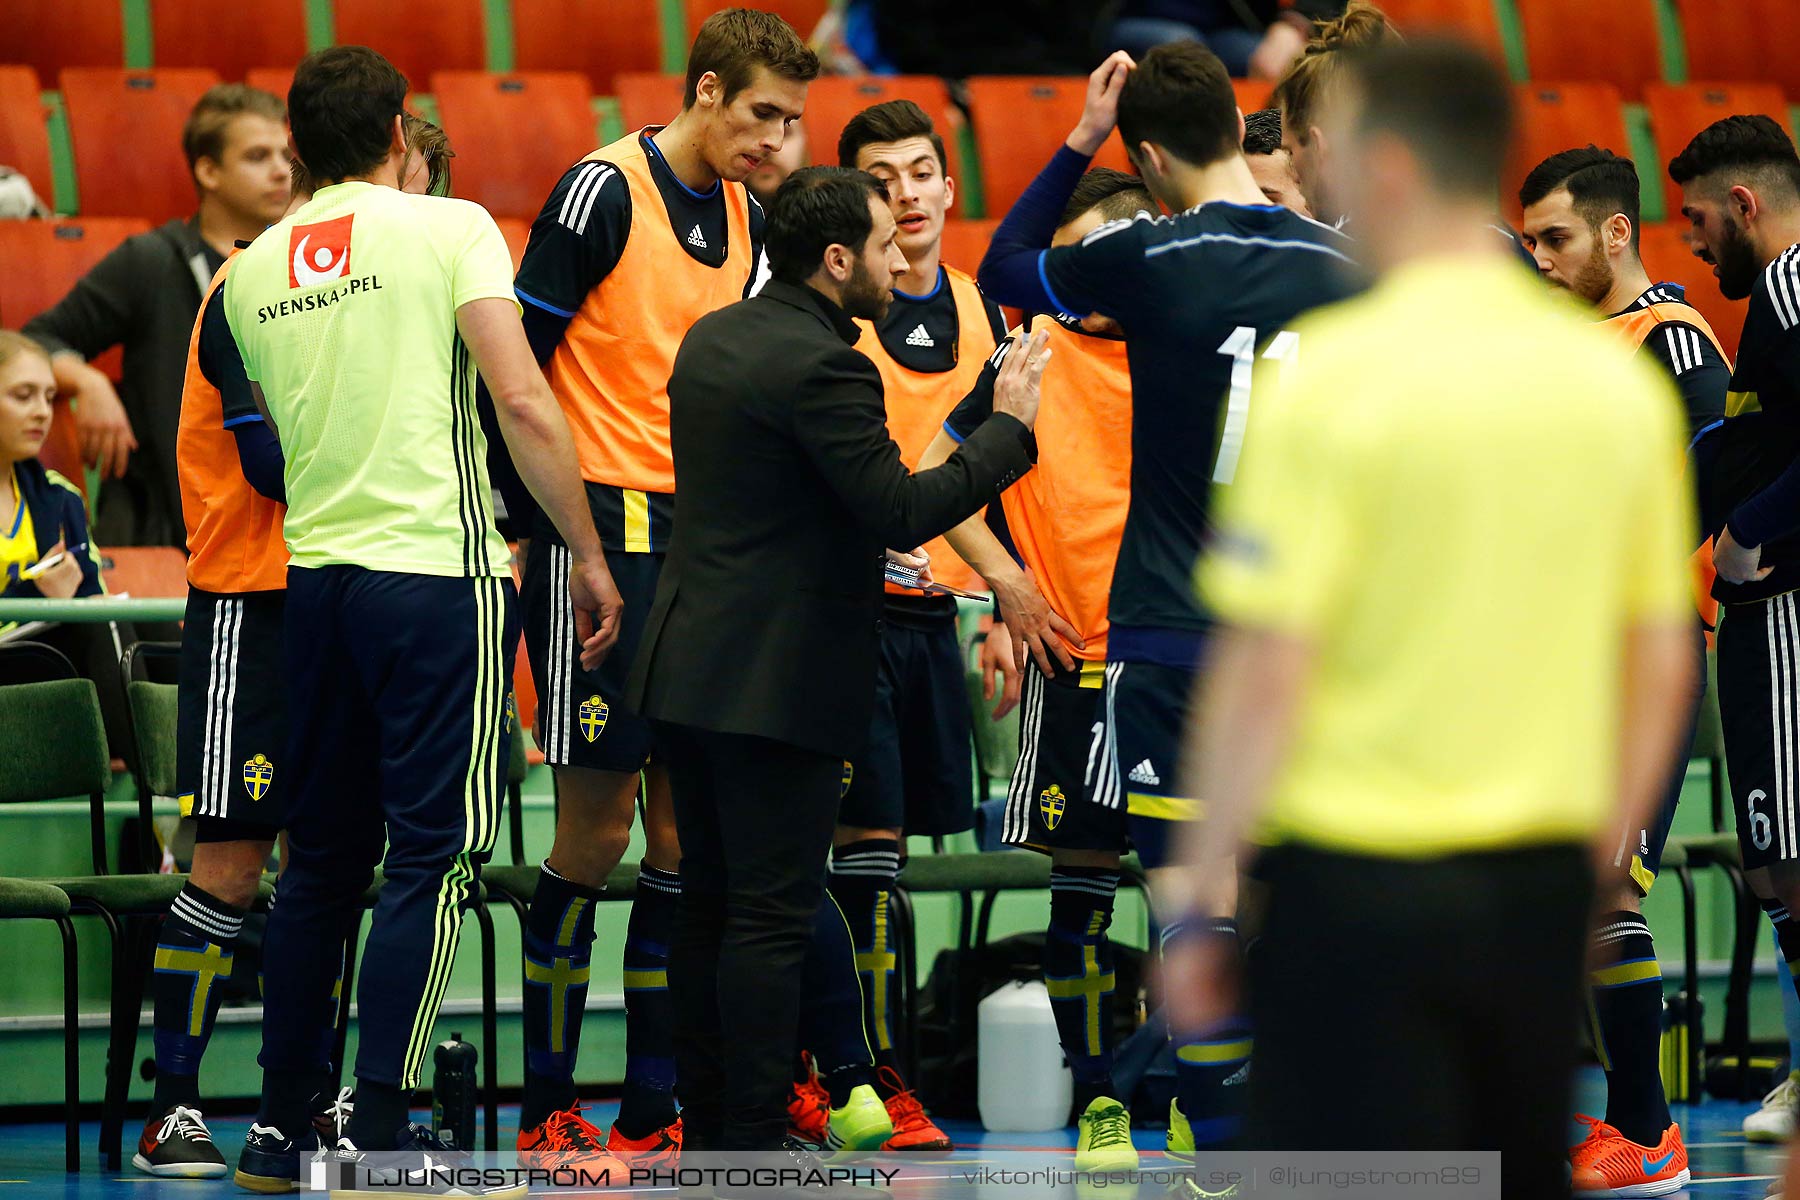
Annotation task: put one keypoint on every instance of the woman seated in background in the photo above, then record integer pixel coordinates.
(44, 546)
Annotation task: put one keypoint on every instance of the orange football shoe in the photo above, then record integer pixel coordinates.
(564, 1140)
(1607, 1164)
(661, 1149)
(913, 1130)
(809, 1111)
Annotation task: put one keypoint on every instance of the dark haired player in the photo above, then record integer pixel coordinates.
(636, 242)
(1740, 191)
(1271, 163)
(1202, 295)
(1581, 224)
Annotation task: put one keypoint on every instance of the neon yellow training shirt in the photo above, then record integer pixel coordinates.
(346, 316)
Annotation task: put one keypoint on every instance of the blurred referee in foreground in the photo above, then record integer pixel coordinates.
(1432, 722)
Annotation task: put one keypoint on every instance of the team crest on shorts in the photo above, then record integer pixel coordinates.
(1051, 803)
(849, 774)
(259, 772)
(592, 715)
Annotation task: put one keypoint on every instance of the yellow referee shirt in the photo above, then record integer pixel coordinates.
(1462, 495)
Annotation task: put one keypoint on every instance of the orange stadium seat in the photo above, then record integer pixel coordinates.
(1745, 39)
(271, 79)
(228, 36)
(597, 37)
(1607, 41)
(1019, 122)
(126, 130)
(803, 15)
(1472, 19)
(1679, 111)
(44, 259)
(517, 234)
(52, 34)
(1557, 116)
(1668, 260)
(833, 99)
(144, 570)
(647, 98)
(417, 36)
(24, 137)
(1252, 94)
(484, 115)
(966, 241)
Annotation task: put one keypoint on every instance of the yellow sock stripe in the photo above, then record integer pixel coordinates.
(565, 935)
(1214, 1052)
(637, 521)
(1165, 808)
(205, 966)
(645, 981)
(558, 977)
(1628, 972)
(1090, 969)
(480, 820)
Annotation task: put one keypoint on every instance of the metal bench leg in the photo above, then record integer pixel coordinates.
(906, 952)
(490, 1028)
(1746, 920)
(71, 1049)
(121, 1045)
(1696, 1037)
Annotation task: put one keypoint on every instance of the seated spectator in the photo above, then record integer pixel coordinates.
(45, 550)
(144, 296)
(1256, 40)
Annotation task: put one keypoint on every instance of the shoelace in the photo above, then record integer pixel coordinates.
(1783, 1094)
(1111, 1126)
(341, 1109)
(908, 1113)
(187, 1122)
(567, 1130)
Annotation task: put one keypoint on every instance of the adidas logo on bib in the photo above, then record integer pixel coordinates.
(1145, 773)
(696, 239)
(918, 337)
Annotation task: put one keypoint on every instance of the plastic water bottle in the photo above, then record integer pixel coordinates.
(453, 1093)
(1023, 1085)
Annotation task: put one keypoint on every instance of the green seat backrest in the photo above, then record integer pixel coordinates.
(153, 712)
(52, 741)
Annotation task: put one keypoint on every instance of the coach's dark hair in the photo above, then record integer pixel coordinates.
(1180, 98)
(1262, 131)
(1751, 146)
(733, 42)
(1117, 195)
(814, 208)
(889, 121)
(1599, 182)
(203, 136)
(341, 111)
(1446, 100)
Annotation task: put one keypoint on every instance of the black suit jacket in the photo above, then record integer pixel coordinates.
(787, 490)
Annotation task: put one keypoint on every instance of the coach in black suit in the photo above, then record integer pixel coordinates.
(757, 665)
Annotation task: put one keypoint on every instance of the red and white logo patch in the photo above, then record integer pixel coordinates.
(319, 253)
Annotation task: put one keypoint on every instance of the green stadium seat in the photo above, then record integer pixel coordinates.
(599, 38)
(647, 98)
(1745, 39)
(52, 34)
(1680, 110)
(126, 130)
(24, 134)
(227, 36)
(1602, 41)
(417, 36)
(483, 115)
(1020, 120)
(1668, 258)
(1553, 117)
(31, 900)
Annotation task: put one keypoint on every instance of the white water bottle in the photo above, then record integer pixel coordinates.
(1023, 1085)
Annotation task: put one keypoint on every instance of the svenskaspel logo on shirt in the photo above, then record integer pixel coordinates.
(319, 253)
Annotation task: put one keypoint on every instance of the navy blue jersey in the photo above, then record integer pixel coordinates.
(1199, 295)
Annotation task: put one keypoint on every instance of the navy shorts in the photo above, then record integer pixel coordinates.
(1062, 741)
(916, 772)
(231, 725)
(582, 717)
(1143, 708)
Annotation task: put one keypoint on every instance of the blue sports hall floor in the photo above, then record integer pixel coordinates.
(1724, 1166)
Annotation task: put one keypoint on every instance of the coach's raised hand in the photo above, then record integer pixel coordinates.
(1016, 388)
(1101, 112)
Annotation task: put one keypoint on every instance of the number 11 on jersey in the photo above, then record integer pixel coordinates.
(1284, 347)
